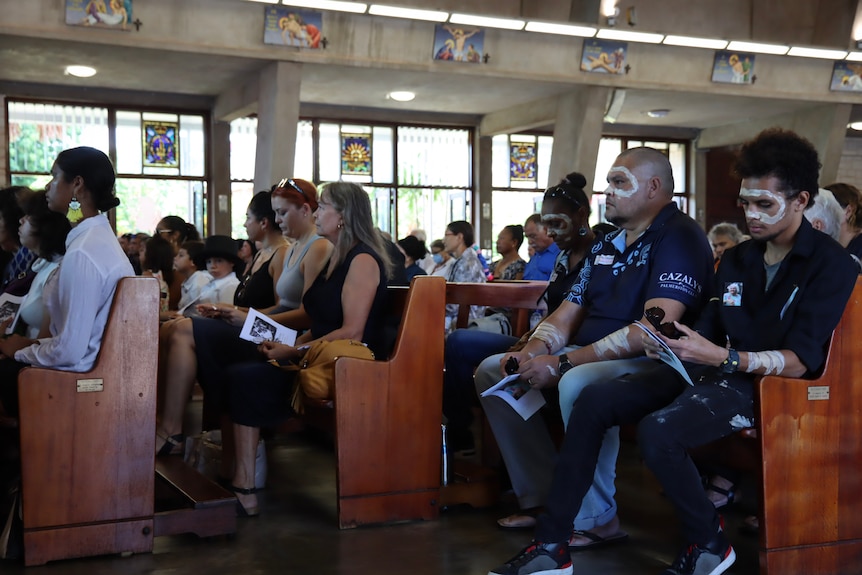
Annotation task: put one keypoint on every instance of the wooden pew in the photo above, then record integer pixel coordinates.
(808, 436)
(473, 484)
(520, 295)
(386, 417)
(88, 439)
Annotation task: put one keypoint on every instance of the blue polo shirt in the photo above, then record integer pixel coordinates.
(541, 265)
(671, 259)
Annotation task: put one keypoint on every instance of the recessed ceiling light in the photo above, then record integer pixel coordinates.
(401, 96)
(487, 22)
(564, 29)
(337, 5)
(626, 36)
(757, 47)
(658, 113)
(80, 71)
(855, 126)
(817, 53)
(694, 42)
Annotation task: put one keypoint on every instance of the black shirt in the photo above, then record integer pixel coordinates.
(800, 309)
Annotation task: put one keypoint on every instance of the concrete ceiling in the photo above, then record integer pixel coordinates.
(42, 60)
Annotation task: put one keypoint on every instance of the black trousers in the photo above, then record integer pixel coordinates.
(9, 369)
(672, 417)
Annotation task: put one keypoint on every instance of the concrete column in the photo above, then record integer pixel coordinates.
(219, 193)
(483, 211)
(277, 115)
(577, 132)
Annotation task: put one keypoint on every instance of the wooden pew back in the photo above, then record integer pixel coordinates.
(88, 440)
(808, 435)
(521, 296)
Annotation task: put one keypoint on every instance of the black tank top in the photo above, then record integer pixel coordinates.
(256, 289)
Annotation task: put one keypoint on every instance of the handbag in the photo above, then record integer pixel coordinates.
(316, 376)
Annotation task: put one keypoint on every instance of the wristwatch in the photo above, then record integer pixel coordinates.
(731, 364)
(565, 364)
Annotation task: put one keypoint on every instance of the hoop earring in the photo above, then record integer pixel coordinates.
(74, 215)
(582, 231)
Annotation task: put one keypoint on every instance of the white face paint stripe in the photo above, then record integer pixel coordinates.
(562, 231)
(771, 361)
(632, 179)
(616, 344)
(752, 195)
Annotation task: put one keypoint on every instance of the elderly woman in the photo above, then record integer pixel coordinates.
(346, 301)
(202, 347)
(82, 186)
(722, 237)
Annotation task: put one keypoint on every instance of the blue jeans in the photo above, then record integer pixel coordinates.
(465, 350)
(529, 451)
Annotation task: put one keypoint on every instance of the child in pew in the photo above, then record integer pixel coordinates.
(193, 279)
(220, 258)
(82, 187)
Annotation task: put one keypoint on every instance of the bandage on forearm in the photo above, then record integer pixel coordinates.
(613, 346)
(771, 361)
(550, 335)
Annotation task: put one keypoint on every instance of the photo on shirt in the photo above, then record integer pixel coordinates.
(732, 294)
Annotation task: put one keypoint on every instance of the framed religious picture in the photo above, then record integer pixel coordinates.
(604, 56)
(457, 44)
(846, 77)
(161, 149)
(522, 162)
(286, 26)
(733, 67)
(115, 14)
(355, 154)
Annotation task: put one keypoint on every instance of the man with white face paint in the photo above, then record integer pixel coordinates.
(794, 283)
(659, 257)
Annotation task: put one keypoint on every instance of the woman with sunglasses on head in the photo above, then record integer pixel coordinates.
(346, 301)
(202, 347)
(565, 214)
(82, 187)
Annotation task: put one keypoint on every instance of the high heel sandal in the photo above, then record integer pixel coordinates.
(730, 493)
(173, 444)
(242, 510)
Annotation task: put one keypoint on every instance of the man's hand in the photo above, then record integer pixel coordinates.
(691, 347)
(541, 371)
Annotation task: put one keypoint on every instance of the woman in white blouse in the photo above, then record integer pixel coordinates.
(82, 188)
(43, 232)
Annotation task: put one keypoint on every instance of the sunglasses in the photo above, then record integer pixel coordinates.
(561, 192)
(654, 315)
(293, 185)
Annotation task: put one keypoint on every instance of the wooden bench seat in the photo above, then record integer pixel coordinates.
(810, 477)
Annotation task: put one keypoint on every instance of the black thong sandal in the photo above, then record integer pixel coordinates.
(242, 510)
(730, 493)
(595, 540)
(173, 444)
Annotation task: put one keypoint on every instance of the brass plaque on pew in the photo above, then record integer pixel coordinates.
(90, 385)
(818, 392)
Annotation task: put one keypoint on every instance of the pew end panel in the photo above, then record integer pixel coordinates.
(88, 440)
(387, 417)
(811, 483)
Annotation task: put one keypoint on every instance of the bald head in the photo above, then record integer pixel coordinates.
(650, 163)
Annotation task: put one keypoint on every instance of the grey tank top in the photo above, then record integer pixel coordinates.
(291, 282)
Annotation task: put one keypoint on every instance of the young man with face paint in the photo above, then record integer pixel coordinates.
(659, 257)
(794, 283)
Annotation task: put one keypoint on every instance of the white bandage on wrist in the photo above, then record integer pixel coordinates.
(549, 334)
(616, 344)
(771, 361)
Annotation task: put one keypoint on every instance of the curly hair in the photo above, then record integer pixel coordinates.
(784, 155)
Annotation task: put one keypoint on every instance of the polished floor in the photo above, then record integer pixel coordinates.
(296, 533)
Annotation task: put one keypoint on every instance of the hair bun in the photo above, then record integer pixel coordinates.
(576, 179)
